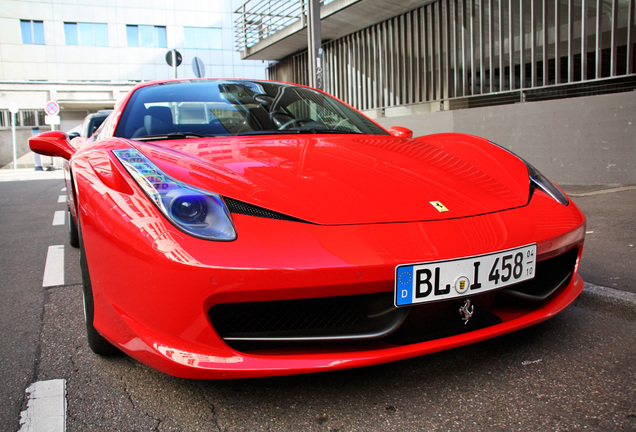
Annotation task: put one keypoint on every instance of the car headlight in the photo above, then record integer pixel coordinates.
(538, 180)
(199, 213)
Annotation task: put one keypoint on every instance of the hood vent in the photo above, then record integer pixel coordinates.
(240, 207)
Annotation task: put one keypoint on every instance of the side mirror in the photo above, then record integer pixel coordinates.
(401, 132)
(54, 143)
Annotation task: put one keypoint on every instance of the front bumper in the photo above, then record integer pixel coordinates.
(156, 288)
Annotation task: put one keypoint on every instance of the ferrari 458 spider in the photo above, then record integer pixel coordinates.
(234, 228)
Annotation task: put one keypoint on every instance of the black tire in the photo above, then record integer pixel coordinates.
(73, 233)
(96, 342)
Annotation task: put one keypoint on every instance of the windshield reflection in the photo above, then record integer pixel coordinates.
(207, 108)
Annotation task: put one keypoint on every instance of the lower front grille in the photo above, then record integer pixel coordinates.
(370, 316)
(551, 274)
(373, 318)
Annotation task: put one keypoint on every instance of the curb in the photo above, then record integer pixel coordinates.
(621, 304)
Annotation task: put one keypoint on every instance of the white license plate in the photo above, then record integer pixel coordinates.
(442, 280)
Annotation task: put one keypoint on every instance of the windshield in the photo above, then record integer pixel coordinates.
(224, 108)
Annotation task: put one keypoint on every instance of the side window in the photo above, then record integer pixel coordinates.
(105, 128)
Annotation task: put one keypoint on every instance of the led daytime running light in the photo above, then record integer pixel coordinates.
(197, 212)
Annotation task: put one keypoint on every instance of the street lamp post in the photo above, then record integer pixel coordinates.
(13, 108)
(314, 41)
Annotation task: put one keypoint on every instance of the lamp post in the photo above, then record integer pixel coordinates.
(314, 41)
(13, 108)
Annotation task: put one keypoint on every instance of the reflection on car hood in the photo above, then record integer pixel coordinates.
(352, 179)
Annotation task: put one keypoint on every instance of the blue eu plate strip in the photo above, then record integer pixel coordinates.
(404, 286)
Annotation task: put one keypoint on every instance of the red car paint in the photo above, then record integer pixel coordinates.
(363, 205)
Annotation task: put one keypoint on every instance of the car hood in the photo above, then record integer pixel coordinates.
(351, 179)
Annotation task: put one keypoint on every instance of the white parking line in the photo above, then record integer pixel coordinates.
(46, 407)
(58, 217)
(61, 199)
(54, 268)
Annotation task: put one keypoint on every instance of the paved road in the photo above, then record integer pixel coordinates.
(609, 255)
(574, 372)
(25, 224)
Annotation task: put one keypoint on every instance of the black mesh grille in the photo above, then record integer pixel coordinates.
(285, 316)
(550, 275)
(240, 207)
(362, 317)
(281, 323)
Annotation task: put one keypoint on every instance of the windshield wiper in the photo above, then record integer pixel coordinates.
(171, 136)
(269, 132)
(332, 131)
(298, 131)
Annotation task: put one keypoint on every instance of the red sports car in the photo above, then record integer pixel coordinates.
(234, 228)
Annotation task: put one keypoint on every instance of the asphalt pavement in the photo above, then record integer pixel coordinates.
(609, 255)
(610, 241)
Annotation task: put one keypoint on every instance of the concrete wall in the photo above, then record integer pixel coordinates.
(6, 144)
(586, 140)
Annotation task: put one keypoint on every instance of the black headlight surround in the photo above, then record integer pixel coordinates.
(538, 180)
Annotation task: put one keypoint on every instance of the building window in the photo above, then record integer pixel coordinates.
(146, 36)
(86, 34)
(32, 32)
(202, 37)
(23, 118)
(32, 117)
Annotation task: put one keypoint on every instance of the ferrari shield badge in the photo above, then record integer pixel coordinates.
(466, 311)
(439, 206)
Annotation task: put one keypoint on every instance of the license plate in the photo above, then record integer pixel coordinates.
(442, 280)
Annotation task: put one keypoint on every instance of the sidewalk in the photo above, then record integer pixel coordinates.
(26, 169)
(7, 175)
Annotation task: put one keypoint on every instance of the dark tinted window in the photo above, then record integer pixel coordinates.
(216, 107)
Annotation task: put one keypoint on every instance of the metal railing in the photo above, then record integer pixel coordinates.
(259, 19)
(449, 50)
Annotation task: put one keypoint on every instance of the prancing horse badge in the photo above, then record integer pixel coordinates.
(466, 311)
(439, 206)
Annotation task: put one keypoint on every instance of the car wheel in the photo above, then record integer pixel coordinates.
(96, 342)
(73, 234)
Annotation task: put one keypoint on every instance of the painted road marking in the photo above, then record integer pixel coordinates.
(54, 268)
(46, 407)
(61, 199)
(59, 217)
